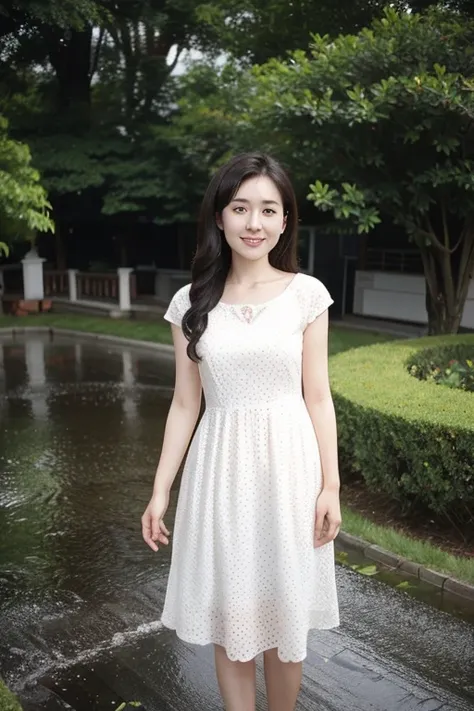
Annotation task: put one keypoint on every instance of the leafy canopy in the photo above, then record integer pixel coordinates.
(382, 119)
(23, 204)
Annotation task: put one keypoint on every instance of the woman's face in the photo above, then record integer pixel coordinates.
(253, 221)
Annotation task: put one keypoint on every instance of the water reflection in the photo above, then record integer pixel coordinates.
(79, 440)
(80, 431)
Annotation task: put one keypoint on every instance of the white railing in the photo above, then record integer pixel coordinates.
(405, 261)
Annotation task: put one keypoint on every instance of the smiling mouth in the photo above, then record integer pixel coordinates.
(252, 241)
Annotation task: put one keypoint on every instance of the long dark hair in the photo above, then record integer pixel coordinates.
(213, 256)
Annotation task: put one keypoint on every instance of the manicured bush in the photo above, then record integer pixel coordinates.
(410, 438)
(8, 702)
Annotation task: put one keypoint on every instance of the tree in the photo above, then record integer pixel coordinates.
(87, 84)
(382, 125)
(99, 99)
(24, 208)
(257, 30)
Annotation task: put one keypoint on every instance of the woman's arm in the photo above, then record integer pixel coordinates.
(182, 416)
(318, 399)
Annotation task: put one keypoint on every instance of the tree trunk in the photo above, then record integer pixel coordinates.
(70, 54)
(61, 261)
(441, 321)
(447, 276)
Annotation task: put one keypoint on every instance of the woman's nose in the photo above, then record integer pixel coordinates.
(254, 222)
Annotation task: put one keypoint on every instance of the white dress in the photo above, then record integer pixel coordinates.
(244, 573)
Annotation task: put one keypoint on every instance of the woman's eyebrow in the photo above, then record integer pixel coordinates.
(264, 202)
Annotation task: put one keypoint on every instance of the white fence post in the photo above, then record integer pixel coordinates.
(72, 276)
(124, 288)
(33, 276)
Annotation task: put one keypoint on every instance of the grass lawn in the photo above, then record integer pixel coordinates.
(340, 339)
(414, 549)
(343, 339)
(141, 330)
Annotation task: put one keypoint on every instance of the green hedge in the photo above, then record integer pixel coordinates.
(8, 702)
(412, 439)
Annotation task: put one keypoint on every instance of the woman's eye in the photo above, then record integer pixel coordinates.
(267, 211)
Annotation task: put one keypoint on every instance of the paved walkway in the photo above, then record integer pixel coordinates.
(404, 330)
(391, 653)
(94, 651)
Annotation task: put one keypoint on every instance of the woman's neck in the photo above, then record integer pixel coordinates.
(244, 272)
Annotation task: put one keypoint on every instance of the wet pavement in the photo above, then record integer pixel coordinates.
(80, 594)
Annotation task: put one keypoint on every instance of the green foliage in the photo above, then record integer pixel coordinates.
(72, 164)
(382, 117)
(419, 551)
(97, 115)
(407, 437)
(379, 124)
(257, 30)
(107, 123)
(8, 702)
(64, 13)
(453, 367)
(24, 208)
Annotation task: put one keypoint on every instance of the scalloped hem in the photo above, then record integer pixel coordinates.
(189, 639)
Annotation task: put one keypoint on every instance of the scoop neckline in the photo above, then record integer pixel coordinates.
(263, 303)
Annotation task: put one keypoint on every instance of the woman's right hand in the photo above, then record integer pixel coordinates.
(153, 527)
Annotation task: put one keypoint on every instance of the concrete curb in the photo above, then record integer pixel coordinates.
(441, 581)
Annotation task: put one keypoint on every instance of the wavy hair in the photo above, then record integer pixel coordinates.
(213, 256)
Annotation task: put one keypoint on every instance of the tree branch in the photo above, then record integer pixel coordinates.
(466, 261)
(98, 47)
(436, 243)
(445, 224)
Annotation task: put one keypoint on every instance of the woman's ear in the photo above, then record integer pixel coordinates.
(219, 222)
(285, 222)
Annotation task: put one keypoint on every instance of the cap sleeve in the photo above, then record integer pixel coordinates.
(318, 300)
(178, 306)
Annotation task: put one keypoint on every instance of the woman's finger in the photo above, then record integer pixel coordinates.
(328, 536)
(163, 538)
(147, 535)
(319, 525)
(163, 528)
(333, 530)
(155, 528)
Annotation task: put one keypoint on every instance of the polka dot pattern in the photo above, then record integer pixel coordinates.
(244, 573)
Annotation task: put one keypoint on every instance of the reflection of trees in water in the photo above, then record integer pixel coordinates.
(82, 475)
(27, 466)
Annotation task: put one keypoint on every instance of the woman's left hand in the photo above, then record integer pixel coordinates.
(328, 517)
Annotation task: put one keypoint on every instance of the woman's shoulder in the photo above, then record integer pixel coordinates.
(183, 292)
(309, 283)
(314, 297)
(178, 305)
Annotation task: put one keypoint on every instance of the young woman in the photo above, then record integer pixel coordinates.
(252, 563)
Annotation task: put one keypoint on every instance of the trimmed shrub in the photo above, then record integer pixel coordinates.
(8, 702)
(407, 437)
